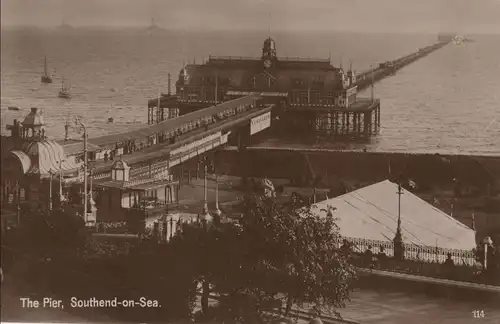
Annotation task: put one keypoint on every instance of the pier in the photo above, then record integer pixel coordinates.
(365, 79)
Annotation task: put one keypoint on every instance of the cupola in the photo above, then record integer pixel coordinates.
(120, 171)
(34, 126)
(269, 49)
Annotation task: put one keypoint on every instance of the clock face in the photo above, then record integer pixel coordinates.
(267, 64)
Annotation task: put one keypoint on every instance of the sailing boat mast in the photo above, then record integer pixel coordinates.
(45, 77)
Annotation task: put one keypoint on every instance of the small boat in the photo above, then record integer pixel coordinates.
(110, 120)
(64, 92)
(46, 77)
(13, 108)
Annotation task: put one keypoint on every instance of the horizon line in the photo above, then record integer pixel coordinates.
(139, 27)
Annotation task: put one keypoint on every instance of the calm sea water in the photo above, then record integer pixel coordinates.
(448, 102)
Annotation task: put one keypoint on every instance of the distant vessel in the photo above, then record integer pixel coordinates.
(153, 28)
(65, 26)
(64, 92)
(458, 40)
(46, 77)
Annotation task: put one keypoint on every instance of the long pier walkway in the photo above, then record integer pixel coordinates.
(176, 140)
(365, 78)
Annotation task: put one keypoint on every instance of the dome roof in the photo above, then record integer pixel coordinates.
(48, 156)
(269, 41)
(34, 118)
(120, 165)
(23, 159)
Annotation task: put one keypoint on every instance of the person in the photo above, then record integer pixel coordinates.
(448, 266)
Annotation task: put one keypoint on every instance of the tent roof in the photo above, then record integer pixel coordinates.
(372, 212)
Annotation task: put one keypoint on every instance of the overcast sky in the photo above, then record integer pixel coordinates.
(463, 16)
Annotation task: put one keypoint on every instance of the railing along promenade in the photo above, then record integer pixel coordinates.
(425, 261)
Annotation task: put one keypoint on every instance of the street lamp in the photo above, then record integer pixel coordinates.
(51, 173)
(217, 212)
(85, 165)
(91, 198)
(205, 216)
(398, 238)
(61, 196)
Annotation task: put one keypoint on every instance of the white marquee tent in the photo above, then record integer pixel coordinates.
(372, 212)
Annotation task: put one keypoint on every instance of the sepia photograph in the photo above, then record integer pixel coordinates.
(250, 161)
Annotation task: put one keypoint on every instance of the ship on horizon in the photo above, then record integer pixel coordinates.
(153, 28)
(64, 26)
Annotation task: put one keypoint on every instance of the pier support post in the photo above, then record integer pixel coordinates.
(368, 125)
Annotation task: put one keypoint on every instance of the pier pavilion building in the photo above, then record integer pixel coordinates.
(311, 94)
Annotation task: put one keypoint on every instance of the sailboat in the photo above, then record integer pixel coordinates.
(46, 77)
(64, 92)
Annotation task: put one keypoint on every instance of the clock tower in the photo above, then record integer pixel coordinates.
(269, 53)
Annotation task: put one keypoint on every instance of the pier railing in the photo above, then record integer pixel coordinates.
(415, 252)
(425, 261)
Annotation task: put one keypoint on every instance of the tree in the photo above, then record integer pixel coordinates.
(298, 249)
(275, 252)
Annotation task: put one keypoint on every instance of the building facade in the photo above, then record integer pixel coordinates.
(311, 93)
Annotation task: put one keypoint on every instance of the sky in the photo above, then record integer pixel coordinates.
(426, 16)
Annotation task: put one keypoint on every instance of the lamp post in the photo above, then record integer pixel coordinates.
(51, 173)
(85, 165)
(61, 196)
(91, 198)
(398, 238)
(217, 212)
(205, 216)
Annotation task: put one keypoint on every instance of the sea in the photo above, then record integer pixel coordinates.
(447, 102)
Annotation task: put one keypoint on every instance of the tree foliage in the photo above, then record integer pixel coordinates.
(276, 252)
